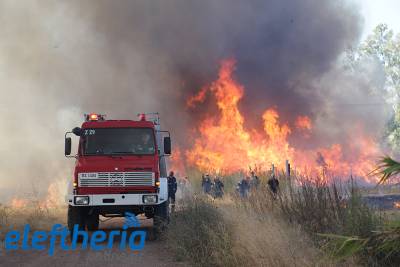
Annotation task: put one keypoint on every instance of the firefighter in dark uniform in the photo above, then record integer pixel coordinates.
(244, 187)
(218, 188)
(206, 184)
(172, 187)
(273, 184)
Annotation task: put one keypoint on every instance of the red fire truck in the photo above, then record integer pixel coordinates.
(120, 166)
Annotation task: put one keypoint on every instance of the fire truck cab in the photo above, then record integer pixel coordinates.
(120, 166)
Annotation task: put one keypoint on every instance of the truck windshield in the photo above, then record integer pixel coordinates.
(117, 141)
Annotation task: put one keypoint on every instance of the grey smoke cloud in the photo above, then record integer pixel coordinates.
(276, 43)
(61, 59)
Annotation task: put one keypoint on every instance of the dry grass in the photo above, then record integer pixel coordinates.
(263, 230)
(268, 241)
(37, 217)
(317, 208)
(226, 232)
(198, 233)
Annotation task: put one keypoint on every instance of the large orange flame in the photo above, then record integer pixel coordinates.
(223, 145)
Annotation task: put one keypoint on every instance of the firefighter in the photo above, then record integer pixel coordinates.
(172, 187)
(255, 181)
(273, 184)
(244, 187)
(218, 188)
(145, 146)
(206, 184)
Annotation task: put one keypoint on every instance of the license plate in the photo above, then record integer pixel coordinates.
(88, 175)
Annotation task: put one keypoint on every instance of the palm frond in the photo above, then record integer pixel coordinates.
(382, 245)
(387, 168)
(343, 247)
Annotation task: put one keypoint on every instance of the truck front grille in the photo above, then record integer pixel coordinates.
(116, 179)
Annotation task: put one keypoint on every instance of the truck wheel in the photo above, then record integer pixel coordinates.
(161, 216)
(76, 215)
(92, 221)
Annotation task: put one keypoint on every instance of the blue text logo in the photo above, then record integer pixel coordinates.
(98, 240)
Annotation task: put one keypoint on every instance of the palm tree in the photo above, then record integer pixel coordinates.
(387, 168)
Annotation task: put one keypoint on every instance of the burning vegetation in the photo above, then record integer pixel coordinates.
(223, 145)
(52, 200)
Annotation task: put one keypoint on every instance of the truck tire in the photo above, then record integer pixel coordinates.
(92, 221)
(161, 216)
(76, 215)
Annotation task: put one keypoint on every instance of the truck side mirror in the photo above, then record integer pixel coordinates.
(167, 145)
(67, 146)
(77, 131)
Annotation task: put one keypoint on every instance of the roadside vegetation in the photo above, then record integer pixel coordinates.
(381, 246)
(310, 223)
(205, 232)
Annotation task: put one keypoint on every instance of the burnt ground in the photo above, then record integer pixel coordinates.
(382, 202)
(153, 254)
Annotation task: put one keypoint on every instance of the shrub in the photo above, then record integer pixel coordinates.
(199, 234)
(317, 207)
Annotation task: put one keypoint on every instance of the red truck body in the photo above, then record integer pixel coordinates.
(120, 166)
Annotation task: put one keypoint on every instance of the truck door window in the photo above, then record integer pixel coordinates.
(112, 141)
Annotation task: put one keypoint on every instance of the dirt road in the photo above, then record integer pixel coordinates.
(153, 254)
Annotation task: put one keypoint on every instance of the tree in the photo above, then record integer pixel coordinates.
(383, 46)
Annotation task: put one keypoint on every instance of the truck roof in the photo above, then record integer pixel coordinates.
(117, 124)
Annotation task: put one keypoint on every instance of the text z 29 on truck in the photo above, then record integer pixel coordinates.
(120, 167)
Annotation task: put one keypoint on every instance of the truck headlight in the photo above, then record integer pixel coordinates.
(149, 199)
(81, 200)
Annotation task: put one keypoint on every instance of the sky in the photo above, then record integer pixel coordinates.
(380, 11)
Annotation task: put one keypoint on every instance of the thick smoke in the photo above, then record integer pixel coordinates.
(61, 59)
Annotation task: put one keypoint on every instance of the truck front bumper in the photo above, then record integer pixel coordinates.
(115, 199)
(119, 199)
